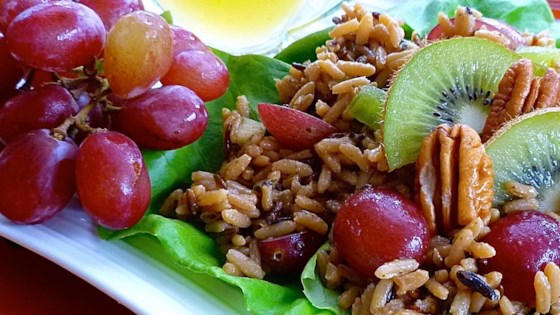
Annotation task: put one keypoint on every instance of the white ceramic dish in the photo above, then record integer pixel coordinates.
(143, 279)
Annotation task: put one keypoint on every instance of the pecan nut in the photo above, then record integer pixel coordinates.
(454, 178)
(521, 92)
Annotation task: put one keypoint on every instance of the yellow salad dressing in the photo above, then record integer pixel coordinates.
(235, 25)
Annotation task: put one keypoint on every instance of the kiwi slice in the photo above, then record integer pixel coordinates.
(542, 58)
(527, 150)
(450, 81)
(367, 106)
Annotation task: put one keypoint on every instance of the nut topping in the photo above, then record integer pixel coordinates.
(520, 92)
(454, 178)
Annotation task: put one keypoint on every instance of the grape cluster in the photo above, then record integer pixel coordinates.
(79, 98)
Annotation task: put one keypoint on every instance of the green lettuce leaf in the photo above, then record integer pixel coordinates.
(530, 15)
(304, 48)
(320, 296)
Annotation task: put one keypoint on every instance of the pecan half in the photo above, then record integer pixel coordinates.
(521, 92)
(454, 178)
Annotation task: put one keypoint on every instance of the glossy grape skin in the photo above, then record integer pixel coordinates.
(45, 107)
(65, 35)
(112, 180)
(293, 128)
(525, 241)
(165, 118)
(378, 225)
(37, 177)
(201, 71)
(9, 9)
(185, 40)
(139, 52)
(111, 10)
(12, 71)
(288, 254)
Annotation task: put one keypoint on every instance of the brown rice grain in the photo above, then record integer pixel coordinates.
(552, 272)
(354, 153)
(481, 250)
(236, 167)
(267, 200)
(469, 264)
(322, 260)
(396, 268)
(364, 29)
(238, 240)
(292, 167)
(309, 204)
(247, 266)
(367, 297)
(246, 205)
(396, 60)
(342, 29)
(506, 307)
(212, 197)
(347, 297)
(555, 309)
(494, 36)
(311, 221)
(331, 69)
(521, 205)
(464, 22)
(461, 303)
(236, 218)
(217, 227)
(411, 281)
(332, 276)
(356, 69)
(477, 303)
(324, 180)
(275, 230)
(261, 161)
(493, 278)
(380, 295)
(349, 85)
(543, 293)
(462, 240)
(339, 106)
(437, 289)
(441, 275)
(232, 269)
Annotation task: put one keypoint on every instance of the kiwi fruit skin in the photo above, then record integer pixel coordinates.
(542, 58)
(449, 81)
(368, 105)
(527, 150)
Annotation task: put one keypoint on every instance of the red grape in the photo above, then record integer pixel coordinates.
(201, 71)
(56, 36)
(288, 254)
(111, 10)
(12, 71)
(378, 225)
(525, 241)
(9, 9)
(293, 128)
(513, 35)
(139, 52)
(185, 40)
(112, 179)
(45, 107)
(37, 177)
(166, 118)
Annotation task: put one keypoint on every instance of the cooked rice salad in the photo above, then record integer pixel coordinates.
(266, 190)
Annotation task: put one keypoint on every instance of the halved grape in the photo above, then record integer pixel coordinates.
(378, 225)
(37, 177)
(112, 180)
(166, 118)
(139, 52)
(56, 36)
(45, 107)
(201, 71)
(111, 10)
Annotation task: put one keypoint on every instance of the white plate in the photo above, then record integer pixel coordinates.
(143, 279)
